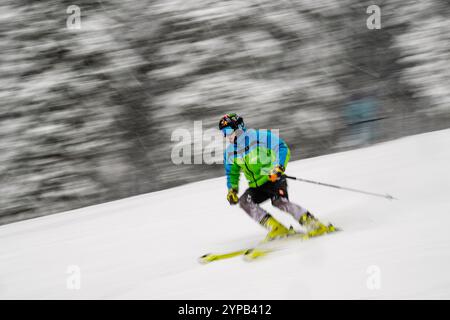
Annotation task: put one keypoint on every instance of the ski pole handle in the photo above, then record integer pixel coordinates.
(386, 196)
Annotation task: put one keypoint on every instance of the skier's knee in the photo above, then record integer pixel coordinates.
(242, 202)
(246, 203)
(280, 202)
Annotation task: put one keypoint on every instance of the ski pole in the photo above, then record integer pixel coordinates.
(387, 196)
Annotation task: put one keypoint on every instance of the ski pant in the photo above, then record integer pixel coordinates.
(277, 193)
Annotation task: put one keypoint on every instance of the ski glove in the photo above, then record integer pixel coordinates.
(276, 173)
(232, 196)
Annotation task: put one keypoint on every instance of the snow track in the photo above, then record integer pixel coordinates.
(147, 246)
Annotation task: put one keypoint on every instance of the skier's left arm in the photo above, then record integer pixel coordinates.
(282, 156)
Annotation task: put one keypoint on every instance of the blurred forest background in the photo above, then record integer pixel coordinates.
(87, 115)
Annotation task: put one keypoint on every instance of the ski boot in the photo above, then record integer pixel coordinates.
(276, 229)
(312, 225)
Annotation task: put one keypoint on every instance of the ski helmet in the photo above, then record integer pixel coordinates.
(231, 120)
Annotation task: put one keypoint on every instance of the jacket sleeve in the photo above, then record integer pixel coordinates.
(233, 172)
(281, 150)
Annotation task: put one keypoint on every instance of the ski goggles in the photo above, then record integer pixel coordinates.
(227, 131)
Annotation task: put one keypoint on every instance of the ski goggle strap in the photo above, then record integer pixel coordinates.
(227, 131)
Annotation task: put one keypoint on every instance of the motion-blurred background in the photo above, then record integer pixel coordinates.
(87, 114)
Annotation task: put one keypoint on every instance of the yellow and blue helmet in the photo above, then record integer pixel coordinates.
(231, 122)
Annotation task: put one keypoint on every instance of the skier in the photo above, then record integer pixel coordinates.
(263, 158)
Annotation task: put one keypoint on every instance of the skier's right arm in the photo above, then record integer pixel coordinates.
(232, 172)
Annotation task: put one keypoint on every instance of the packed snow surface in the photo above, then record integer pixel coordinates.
(147, 246)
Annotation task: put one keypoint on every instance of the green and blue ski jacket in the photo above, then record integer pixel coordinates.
(256, 153)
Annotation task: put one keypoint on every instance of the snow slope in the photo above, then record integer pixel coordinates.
(147, 246)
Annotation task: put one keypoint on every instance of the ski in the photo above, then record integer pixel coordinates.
(268, 247)
(210, 257)
(263, 248)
